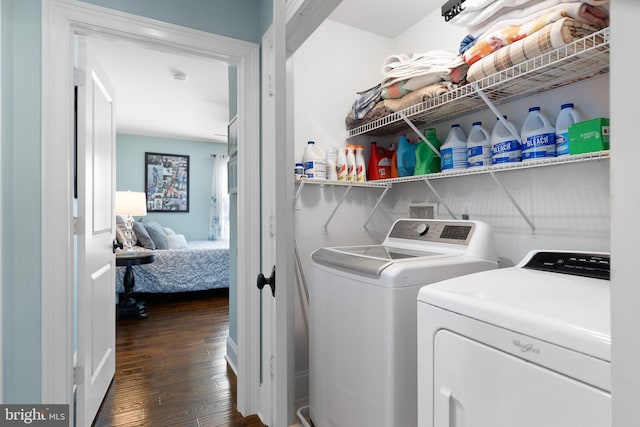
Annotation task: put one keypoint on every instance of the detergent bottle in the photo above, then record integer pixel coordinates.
(405, 157)
(351, 163)
(341, 163)
(454, 150)
(361, 173)
(379, 163)
(427, 161)
(393, 160)
(332, 159)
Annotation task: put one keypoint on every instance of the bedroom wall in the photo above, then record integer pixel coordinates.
(130, 174)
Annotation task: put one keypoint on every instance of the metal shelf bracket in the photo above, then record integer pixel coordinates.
(375, 208)
(497, 112)
(344, 196)
(417, 132)
(426, 181)
(514, 203)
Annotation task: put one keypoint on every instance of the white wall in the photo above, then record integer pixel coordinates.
(335, 63)
(569, 204)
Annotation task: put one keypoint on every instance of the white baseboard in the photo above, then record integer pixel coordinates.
(232, 355)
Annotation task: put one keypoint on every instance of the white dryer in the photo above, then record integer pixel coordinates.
(525, 346)
(362, 321)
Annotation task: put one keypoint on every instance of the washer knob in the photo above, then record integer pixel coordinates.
(422, 229)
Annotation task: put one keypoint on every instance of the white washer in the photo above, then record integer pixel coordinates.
(362, 324)
(528, 345)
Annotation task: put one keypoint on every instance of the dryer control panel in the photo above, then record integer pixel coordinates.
(459, 232)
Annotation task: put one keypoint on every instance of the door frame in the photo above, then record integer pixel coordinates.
(61, 19)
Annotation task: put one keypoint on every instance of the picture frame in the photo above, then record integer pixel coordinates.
(166, 182)
(232, 137)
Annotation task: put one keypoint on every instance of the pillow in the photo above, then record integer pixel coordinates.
(168, 231)
(120, 229)
(141, 233)
(176, 241)
(157, 234)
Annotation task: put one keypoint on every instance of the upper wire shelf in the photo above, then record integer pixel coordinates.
(580, 60)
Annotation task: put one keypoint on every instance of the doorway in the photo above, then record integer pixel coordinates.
(62, 20)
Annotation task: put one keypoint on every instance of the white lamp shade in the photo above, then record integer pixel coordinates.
(132, 203)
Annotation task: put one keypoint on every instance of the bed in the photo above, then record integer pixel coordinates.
(202, 265)
(179, 265)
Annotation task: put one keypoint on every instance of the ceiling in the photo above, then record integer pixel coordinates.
(150, 101)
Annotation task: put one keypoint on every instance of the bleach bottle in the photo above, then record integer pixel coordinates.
(567, 116)
(505, 147)
(538, 136)
(454, 150)
(405, 157)
(478, 146)
(426, 159)
(315, 165)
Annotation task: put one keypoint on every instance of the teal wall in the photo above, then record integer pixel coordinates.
(130, 151)
(235, 19)
(21, 275)
(21, 159)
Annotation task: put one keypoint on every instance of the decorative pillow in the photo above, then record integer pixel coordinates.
(157, 234)
(168, 231)
(120, 236)
(176, 241)
(144, 239)
(120, 229)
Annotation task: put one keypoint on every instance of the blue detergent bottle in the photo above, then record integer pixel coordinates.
(405, 157)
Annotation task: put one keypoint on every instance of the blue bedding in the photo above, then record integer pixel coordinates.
(202, 265)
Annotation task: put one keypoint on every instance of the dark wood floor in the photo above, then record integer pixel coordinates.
(170, 367)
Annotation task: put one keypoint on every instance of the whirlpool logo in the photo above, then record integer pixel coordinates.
(34, 415)
(525, 347)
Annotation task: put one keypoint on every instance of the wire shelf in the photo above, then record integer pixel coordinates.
(580, 60)
(316, 181)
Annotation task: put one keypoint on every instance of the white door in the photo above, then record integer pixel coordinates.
(95, 364)
(277, 329)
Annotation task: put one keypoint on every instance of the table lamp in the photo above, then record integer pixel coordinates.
(128, 204)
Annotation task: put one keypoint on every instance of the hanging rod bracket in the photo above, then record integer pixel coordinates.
(451, 9)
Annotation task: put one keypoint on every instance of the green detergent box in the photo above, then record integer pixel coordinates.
(588, 136)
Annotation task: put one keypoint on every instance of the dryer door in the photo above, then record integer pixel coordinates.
(477, 385)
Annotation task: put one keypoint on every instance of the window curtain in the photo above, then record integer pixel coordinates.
(219, 212)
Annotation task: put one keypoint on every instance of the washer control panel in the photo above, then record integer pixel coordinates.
(429, 230)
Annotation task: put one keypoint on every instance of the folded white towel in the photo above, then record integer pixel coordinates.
(476, 13)
(436, 64)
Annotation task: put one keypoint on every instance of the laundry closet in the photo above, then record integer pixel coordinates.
(557, 205)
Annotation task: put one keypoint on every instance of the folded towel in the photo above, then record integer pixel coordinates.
(492, 41)
(367, 99)
(418, 96)
(427, 68)
(477, 13)
(552, 36)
